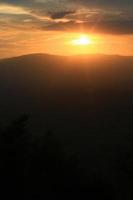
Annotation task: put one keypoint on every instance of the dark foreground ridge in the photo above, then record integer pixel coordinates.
(42, 167)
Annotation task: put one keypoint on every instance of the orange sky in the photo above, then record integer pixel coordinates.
(54, 42)
(43, 26)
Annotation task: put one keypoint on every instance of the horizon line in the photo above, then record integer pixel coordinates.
(59, 55)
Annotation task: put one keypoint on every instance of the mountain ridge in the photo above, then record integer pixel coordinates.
(69, 95)
(65, 56)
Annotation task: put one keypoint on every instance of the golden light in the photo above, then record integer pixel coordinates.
(83, 40)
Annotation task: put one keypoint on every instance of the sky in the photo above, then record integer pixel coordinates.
(50, 26)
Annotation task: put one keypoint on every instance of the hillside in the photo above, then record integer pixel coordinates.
(77, 97)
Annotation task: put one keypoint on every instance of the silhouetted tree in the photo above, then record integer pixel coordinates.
(14, 154)
(35, 168)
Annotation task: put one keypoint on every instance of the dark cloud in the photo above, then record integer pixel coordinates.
(111, 16)
(18, 2)
(110, 27)
(104, 3)
(57, 4)
(59, 15)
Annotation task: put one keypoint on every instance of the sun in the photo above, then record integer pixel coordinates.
(83, 40)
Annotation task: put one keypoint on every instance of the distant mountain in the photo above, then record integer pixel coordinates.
(74, 95)
(99, 71)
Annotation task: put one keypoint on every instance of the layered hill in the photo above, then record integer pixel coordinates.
(77, 97)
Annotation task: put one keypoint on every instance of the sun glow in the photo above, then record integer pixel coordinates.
(83, 40)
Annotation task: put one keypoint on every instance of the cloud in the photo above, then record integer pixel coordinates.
(9, 9)
(104, 3)
(59, 15)
(64, 15)
(107, 27)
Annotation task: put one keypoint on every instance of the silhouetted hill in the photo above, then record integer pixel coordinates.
(87, 100)
(99, 71)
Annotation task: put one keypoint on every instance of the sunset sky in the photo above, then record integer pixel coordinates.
(52, 26)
